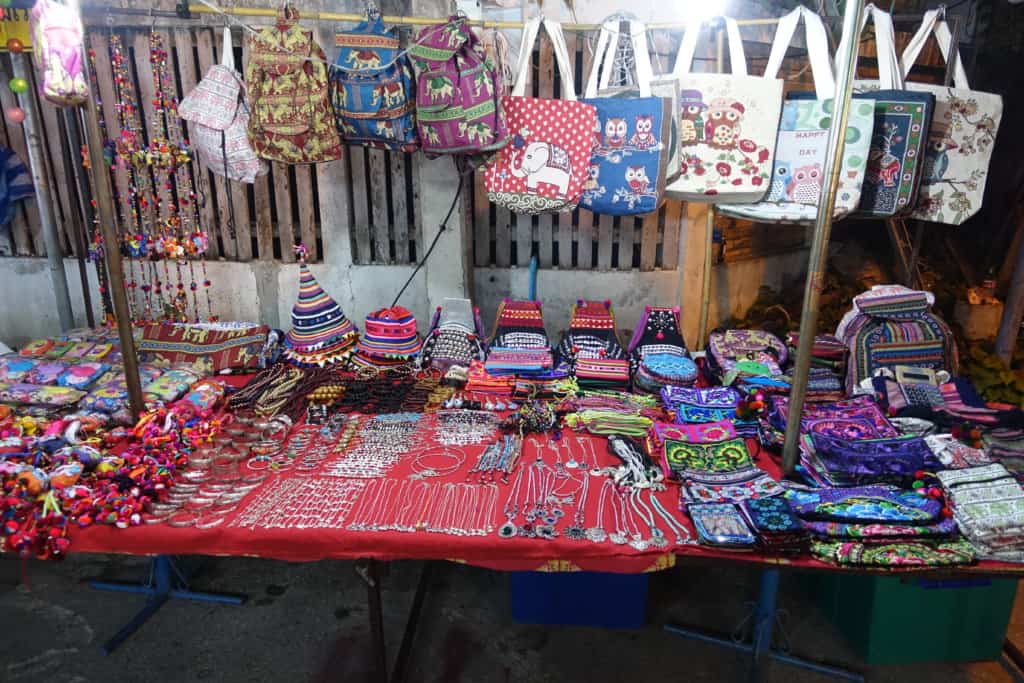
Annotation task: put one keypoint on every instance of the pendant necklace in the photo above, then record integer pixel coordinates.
(597, 534)
(577, 532)
(618, 537)
(511, 511)
(683, 535)
(657, 536)
(636, 540)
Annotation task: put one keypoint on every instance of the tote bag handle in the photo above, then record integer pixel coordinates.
(607, 47)
(531, 31)
(227, 56)
(889, 75)
(688, 46)
(817, 50)
(933, 24)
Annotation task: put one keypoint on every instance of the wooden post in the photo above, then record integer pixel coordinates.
(1009, 329)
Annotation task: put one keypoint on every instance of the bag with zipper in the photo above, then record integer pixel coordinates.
(901, 122)
(219, 116)
(371, 88)
(798, 171)
(891, 325)
(544, 168)
(629, 162)
(745, 352)
(458, 91)
(962, 133)
(291, 119)
(57, 38)
(728, 124)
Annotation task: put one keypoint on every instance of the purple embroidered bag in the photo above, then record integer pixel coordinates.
(866, 504)
(869, 459)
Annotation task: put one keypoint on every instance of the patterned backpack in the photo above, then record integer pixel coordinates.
(657, 352)
(745, 352)
(591, 349)
(458, 91)
(57, 46)
(287, 78)
(220, 118)
(892, 325)
(455, 336)
(371, 88)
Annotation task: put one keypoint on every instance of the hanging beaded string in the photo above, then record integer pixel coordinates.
(130, 153)
(97, 253)
(189, 241)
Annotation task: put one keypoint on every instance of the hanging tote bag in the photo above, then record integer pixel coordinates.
(901, 123)
(799, 167)
(727, 126)
(220, 119)
(57, 47)
(630, 157)
(371, 88)
(960, 139)
(548, 160)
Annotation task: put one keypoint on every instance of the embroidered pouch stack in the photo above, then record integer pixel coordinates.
(520, 343)
(591, 349)
(717, 472)
(657, 352)
(828, 367)
(736, 353)
(988, 505)
(778, 529)
(710, 404)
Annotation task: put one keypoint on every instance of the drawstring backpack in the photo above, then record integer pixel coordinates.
(291, 120)
(458, 91)
(57, 47)
(220, 118)
(371, 88)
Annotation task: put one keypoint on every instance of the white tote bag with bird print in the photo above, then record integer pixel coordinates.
(799, 169)
(961, 136)
(727, 126)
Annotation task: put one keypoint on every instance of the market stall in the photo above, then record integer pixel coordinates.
(862, 450)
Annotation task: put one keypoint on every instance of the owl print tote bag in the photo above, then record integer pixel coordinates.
(901, 123)
(960, 139)
(799, 167)
(727, 126)
(629, 161)
(548, 160)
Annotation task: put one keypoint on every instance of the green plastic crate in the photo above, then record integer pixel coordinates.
(903, 619)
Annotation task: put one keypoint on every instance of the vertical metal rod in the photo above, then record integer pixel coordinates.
(111, 241)
(44, 200)
(71, 151)
(376, 610)
(954, 50)
(822, 228)
(764, 623)
(709, 226)
(1009, 328)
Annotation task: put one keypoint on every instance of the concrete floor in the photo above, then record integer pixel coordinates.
(308, 622)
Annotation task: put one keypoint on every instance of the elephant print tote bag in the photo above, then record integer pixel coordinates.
(548, 160)
(799, 167)
(901, 122)
(629, 163)
(960, 139)
(727, 126)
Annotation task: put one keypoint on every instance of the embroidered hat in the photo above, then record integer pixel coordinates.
(320, 333)
(390, 333)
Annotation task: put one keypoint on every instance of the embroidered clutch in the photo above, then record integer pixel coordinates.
(872, 459)
(724, 456)
(865, 504)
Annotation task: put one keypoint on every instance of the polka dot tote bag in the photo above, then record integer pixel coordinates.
(545, 167)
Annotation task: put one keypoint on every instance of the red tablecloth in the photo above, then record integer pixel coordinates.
(560, 554)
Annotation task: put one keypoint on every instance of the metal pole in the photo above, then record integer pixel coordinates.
(111, 243)
(71, 151)
(1009, 329)
(709, 226)
(37, 165)
(822, 227)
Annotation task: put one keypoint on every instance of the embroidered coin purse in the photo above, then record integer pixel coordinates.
(866, 504)
(868, 459)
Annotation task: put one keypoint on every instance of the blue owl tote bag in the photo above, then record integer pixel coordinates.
(799, 168)
(727, 126)
(629, 160)
(545, 166)
(960, 139)
(901, 126)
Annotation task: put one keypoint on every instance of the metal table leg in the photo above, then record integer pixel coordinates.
(370, 571)
(760, 646)
(165, 582)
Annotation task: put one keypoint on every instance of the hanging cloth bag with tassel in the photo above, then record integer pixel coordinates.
(901, 124)
(799, 168)
(727, 126)
(219, 119)
(961, 136)
(629, 162)
(545, 166)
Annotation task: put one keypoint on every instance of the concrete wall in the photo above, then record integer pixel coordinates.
(266, 291)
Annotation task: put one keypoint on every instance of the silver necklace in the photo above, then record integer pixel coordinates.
(597, 534)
